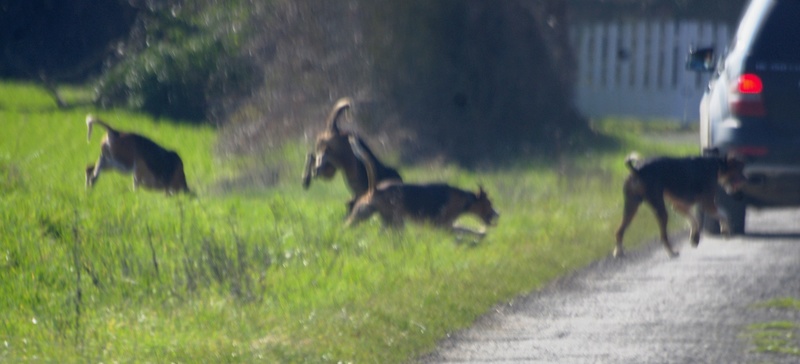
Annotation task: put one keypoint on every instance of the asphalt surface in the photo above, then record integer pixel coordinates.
(648, 308)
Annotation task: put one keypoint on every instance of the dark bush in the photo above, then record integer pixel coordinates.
(475, 79)
(469, 80)
(183, 65)
(63, 41)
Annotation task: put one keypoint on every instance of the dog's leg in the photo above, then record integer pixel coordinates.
(660, 210)
(89, 176)
(178, 181)
(93, 172)
(712, 210)
(461, 231)
(136, 177)
(361, 212)
(392, 219)
(143, 176)
(632, 202)
(105, 161)
(686, 211)
(310, 159)
(465, 230)
(724, 225)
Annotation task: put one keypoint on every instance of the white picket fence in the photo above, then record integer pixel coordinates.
(636, 69)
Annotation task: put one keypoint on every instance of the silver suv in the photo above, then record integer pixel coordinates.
(752, 107)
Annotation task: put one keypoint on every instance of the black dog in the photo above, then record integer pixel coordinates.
(437, 203)
(683, 181)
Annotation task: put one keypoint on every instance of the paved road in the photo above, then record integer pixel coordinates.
(648, 308)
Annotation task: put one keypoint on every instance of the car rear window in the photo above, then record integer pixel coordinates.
(780, 36)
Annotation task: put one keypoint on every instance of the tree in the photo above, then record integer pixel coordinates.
(55, 40)
(472, 80)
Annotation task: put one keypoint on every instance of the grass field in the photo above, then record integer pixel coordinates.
(777, 337)
(268, 274)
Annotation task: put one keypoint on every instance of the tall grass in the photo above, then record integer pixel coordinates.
(269, 274)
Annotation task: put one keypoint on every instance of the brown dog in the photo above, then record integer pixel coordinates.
(683, 181)
(334, 152)
(152, 166)
(438, 204)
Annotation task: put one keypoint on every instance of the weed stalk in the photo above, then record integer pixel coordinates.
(153, 257)
(76, 261)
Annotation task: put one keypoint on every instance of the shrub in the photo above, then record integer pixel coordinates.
(183, 65)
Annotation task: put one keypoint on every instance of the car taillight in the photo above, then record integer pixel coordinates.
(750, 84)
(745, 99)
(751, 151)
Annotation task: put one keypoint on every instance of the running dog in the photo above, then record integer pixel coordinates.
(684, 182)
(334, 152)
(438, 204)
(152, 166)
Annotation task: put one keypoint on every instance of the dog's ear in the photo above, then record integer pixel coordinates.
(734, 156)
(732, 160)
(711, 152)
(481, 192)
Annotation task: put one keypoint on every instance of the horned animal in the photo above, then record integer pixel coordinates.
(333, 152)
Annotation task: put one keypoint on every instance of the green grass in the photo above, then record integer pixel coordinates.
(267, 274)
(780, 336)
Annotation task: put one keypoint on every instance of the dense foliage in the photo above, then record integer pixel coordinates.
(59, 40)
(478, 79)
(182, 62)
(468, 80)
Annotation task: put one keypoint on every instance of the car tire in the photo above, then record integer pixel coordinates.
(710, 225)
(734, 208)
(737, 212)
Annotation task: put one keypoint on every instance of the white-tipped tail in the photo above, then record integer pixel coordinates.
(631, 160)
(89, 121)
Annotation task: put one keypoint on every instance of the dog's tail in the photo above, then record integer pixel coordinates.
(91, 120)
(338, 109)
(362, 155)
(630, 160)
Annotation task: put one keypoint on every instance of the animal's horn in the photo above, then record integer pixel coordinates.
(362, 155)
(340, 106)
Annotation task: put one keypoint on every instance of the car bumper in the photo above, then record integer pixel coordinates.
(772, 187)
(772, 164)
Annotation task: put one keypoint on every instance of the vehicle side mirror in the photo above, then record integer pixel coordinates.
(701, 60)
